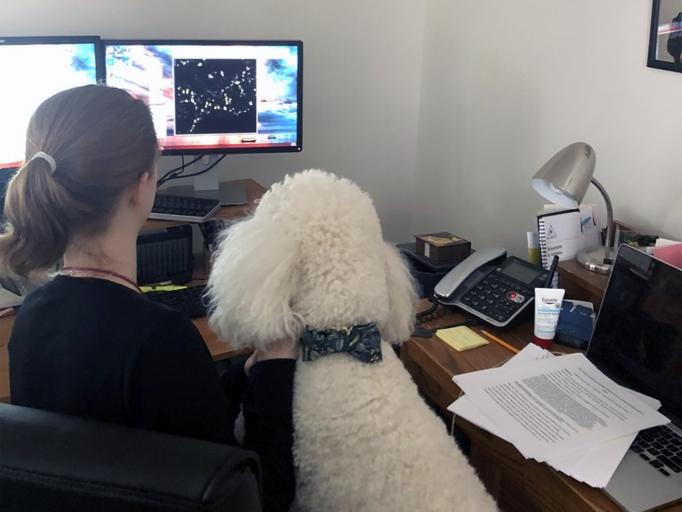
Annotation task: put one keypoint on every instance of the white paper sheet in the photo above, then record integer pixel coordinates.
(594, 464)
(555, 406)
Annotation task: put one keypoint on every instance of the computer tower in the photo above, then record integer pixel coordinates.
(165, 255)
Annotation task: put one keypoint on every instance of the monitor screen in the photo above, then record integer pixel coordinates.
(33, 69)
(214, 96)
(637, 340)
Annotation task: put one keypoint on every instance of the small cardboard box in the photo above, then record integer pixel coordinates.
(443, 247)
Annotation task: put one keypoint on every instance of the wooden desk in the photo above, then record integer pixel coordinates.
(217, 348)
(516, 483)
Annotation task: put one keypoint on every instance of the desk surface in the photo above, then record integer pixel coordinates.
(518, 484)
(217, 348)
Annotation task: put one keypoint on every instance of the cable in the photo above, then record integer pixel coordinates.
(177, 171)
(163, 179)
(195, 173)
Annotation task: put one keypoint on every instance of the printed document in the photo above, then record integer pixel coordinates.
(593, 464)
(552, 407)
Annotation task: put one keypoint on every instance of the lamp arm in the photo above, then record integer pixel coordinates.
(610, 231)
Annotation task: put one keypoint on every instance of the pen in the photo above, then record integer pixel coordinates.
(500, 342)
(552, 269)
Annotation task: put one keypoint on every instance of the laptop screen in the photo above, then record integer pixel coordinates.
(637, 340)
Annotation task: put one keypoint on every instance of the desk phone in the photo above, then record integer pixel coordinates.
(491, 286)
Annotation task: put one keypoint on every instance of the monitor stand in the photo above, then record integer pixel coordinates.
(229, 193)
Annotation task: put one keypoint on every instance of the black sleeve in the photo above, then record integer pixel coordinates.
(269, 429)
(174, 386)
(234, 385)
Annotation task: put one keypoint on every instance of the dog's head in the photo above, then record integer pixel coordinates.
(311, 255)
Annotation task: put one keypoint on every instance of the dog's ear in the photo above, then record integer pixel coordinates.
(251, 284)
(402, 297)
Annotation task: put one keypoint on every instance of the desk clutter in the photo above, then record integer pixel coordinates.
(433, 255)
(583, 437)
(443, 248)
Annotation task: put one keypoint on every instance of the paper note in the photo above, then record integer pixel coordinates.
(594, 464)
(552, 407)
(461, 338)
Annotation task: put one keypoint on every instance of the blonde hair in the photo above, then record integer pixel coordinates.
(102, 141)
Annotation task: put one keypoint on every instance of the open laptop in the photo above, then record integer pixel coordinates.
(637, 341)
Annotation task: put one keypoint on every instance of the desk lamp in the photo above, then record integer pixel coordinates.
(564, 180)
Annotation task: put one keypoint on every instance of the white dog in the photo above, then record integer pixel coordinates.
(312, 264)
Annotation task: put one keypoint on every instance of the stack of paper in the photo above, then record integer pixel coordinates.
(559, 410)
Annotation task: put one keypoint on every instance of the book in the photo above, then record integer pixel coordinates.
(565, 233)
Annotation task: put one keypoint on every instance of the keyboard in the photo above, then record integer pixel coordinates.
(189, 301)
(183, 208)
(661, 447)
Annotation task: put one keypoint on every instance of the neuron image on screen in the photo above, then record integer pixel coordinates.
(215, 96)
(212, 97)
(32, 73)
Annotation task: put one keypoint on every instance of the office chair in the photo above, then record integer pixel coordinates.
(50, 461)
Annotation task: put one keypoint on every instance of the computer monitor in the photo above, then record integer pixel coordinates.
(214, 96)
(33, 69)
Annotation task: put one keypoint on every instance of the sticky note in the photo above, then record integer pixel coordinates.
(461, 338)
(162, 288)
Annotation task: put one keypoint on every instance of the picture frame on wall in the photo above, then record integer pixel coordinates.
(665, 37)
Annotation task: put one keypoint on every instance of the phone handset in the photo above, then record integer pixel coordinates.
(456, 282)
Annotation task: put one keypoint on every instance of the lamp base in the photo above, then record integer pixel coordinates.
(597, 260)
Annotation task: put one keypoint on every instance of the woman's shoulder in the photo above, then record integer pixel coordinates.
(105, 301)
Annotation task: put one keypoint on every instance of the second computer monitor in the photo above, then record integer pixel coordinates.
(214, 96)
(32, 69)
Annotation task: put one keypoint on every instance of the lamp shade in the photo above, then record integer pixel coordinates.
(565, 177)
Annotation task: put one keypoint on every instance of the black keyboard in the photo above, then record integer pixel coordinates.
(661, 447)
(190, 301)
(183, 208)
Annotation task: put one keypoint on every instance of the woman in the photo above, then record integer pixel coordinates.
(88, 343)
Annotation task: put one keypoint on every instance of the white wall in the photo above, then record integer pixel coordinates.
(506, 85)
(362, 67)
(502, 88)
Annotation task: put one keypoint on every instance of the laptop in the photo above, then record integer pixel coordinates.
(637, 341)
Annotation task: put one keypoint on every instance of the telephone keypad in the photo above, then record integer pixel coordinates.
(497, 297)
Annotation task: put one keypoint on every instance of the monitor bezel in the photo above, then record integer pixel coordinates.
(231, 42)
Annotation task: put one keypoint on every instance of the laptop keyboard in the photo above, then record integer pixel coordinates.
(660, 447)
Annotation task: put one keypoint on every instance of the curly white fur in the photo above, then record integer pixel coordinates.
(313, 255)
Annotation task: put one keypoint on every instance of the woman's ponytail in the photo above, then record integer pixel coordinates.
(85, 147)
